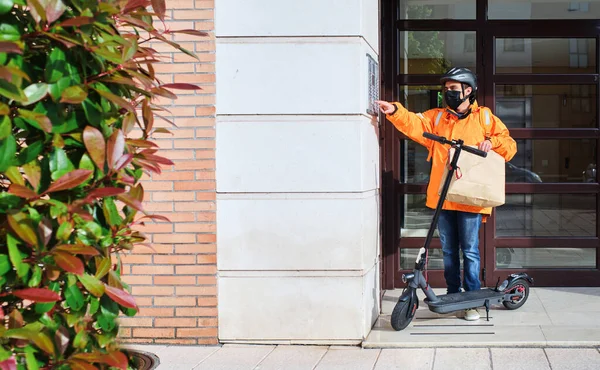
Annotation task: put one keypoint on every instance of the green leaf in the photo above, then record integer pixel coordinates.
(64, 231)
(14, 175)
(34, 173)
(59, 87)
(35, 93)
(6, 6)
(37, 10)
(91, 109)
(15, 256)
(93, 229)
(21, 224)
(36, 119)
(74, 297)
(74, 95)
(10, 91)
(8, 201)
(4, 264)
(36, 277)
(9, 32)
(30, 153)
(107, 323)
(92, 284)
(117, 100)
(4, 354)
(81, 340)
(60, 164)
(94, 304)
(111, 213)
(8, 149)
(5, 126)
(103, 268)
(30, 359)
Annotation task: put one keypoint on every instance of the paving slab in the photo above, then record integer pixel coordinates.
(406, 358)
(573, 358)
(352, 358)
(519, 359)
(181, 357)
(293, 358)
(235, 357)
(462, 359)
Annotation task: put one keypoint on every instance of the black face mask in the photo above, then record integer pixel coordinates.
(453, 99)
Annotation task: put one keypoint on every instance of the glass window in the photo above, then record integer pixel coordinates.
(547, 215)
(553, 161)
(437, 9)
(522, 258)
(416, 217)
(547, 106)
(408, 257)
(434, 52)
(543, 9)
(552, 56)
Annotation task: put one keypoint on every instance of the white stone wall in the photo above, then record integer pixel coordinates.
(297, 171)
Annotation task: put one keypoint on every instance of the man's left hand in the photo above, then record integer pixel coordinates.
(486, 146)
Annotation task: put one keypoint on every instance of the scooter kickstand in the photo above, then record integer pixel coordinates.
(487, 309)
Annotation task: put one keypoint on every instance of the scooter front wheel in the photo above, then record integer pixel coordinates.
(401, 316)
(520, 286)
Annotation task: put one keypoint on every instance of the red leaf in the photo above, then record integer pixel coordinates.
(81, 365)
(134, 4)
(105, 192)
(10, 47)
(95, 145)
(37, 295)
(147, 165)
(120, 296)
(117, 100)
(22, 191)
(123, 161)
(130, 201)
(77, 21)
(159, 159)
(68, 262)
(141, 143)
(9, 364)
(21, 224)
(78, 249)
(190, 32)
(160, 8)
(69, 180)
(115, 148)
(181, 86)
(54, 9)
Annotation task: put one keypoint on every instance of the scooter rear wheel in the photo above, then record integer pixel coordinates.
(520, 286)
(400, 316)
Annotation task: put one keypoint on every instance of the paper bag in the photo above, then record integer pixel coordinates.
(477, 181)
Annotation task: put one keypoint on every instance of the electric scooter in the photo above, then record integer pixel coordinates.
(512, 293)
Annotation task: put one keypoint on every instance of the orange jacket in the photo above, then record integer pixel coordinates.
(469, 129)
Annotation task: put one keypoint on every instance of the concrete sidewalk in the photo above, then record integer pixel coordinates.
(282, 357)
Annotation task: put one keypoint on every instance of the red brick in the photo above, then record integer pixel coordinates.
(195, 248)
(175, 155)
(175, 322)
(175, 301)
(193, 14)
(185, 341)
(137, 279)
(161, 196)
(195, 206)
(196, 185)
(208, 341)
(180, 217)
(200, 270)
(183, 111)
(158, 207)
(175, 176)
(206, 280)
(183, 134)
(155, 228)
(174, 238)
(143, 301)
(207, 301)
(156, 312)
(175, 260)
(208, 322)
(205, 111)
(208, 195)
(124, 332)
(204, 26)
(135, 321)
(190, 228)
(196, 311)
(136, 340)
(158, 185)
(152, 270)
(196, 290)
(205, 132)
(196, 332)
(162, 47)
(196, 122)
(175, 280)
(205, 46)
(200, 78)
(156, 249)
(196, 100)
(177, 25)
(194, 144)
(151, 290)
(206, 238)
(174, 68)
(205, 4)
(136, 258)
(153, 333)
(207, 258)
(198, 164)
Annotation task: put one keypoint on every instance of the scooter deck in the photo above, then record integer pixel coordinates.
(461, 301)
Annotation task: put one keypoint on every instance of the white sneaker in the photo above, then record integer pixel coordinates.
(471, 314)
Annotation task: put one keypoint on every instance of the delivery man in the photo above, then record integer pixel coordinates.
(462, 119)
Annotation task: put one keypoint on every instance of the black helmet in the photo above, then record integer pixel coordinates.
(462, 75)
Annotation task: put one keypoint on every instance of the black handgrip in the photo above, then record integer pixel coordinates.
(475, 151)
(434, 137)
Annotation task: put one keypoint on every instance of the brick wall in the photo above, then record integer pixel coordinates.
(175, 285)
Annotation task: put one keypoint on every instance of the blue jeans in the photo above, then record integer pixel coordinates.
(456, 229)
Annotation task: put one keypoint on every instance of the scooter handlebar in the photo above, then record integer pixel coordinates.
(443, 140)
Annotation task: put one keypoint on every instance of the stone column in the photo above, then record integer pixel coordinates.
(297, 171)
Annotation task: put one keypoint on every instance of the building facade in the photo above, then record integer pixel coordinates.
(294, 207)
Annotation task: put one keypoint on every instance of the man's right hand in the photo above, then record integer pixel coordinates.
(385, 107)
